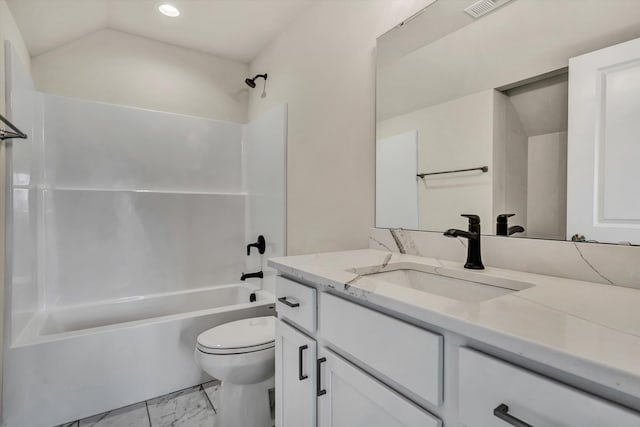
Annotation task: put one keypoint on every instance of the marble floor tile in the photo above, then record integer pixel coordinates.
(129, 416)
(185, 408)
(212, 389)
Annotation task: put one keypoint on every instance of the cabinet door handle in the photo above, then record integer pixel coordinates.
(502, 412)
(289, 303)
(319, 390)
(300, 350)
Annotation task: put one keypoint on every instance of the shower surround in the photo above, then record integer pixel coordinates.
(126, 234)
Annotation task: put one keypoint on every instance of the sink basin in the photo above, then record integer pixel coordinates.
(449, 287)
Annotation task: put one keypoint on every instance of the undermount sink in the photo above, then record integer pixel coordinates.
(448, 287)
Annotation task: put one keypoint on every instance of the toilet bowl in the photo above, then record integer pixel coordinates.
(241, 355)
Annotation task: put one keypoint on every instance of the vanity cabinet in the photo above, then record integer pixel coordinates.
(317, 387)
(340, 363)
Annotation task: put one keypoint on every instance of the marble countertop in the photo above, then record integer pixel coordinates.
(586, 329)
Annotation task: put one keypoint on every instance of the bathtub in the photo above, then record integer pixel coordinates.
(76, 361)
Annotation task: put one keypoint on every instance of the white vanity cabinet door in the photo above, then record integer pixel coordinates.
(485, 383)
(295, 378)
(350, 398)
(603, 145)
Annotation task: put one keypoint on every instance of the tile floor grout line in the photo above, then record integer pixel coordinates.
(113, 410)
(175, 392)
(208, 399)
(146, 404)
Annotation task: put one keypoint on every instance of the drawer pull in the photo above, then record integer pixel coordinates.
(289, 303)
(502, 412)
(319, 390)
(300, 350)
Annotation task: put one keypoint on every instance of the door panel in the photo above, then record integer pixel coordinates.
(354, 399)
(295, 378)
(603, 200)
(619, 142)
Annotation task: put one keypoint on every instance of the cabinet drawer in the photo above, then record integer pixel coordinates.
(487, 383)
(406, 356)
(296, 302)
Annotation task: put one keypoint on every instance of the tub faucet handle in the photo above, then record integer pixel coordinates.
(260, 244)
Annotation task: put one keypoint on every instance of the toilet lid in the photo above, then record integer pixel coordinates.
(241, 336)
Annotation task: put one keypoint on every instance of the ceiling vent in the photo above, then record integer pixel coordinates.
(483, 7)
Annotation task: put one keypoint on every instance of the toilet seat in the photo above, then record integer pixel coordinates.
(242, 336)
(241, 350)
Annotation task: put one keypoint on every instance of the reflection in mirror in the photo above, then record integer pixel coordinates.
(472, 117)
(536, 156)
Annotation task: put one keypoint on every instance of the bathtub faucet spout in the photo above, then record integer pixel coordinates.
(250, 275)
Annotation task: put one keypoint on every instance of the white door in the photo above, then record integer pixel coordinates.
(603, 164)
(396, 181)
(347, 397)
(295, 378)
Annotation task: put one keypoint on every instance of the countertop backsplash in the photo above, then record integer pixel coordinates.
(609, 264)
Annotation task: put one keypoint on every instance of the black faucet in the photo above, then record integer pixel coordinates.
(502, 226)
(250, 275)
(260, 245)
(474, 259)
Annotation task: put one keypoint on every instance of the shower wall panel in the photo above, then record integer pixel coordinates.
(138, 202)
(23, 175)
(265, 180)
(96, 145)
(104, 245)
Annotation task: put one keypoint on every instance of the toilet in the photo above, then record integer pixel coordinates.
(241, 354)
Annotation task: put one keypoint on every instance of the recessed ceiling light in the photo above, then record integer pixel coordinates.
(169, 10)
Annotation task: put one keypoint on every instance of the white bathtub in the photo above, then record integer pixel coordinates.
(72, 362)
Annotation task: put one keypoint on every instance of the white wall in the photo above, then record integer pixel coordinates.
(547, 186)
(396, 181)
(120, 68)
(510, 164)
(323, 66)
(8, 31)
(453, 135)
(482, 129)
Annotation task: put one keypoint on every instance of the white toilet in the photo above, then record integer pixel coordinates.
(241, 355)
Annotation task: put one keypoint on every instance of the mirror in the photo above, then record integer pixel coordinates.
(472, 116)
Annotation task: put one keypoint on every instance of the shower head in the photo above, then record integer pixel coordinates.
(252, 82)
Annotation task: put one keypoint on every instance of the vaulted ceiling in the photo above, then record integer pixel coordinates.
(234, 29)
